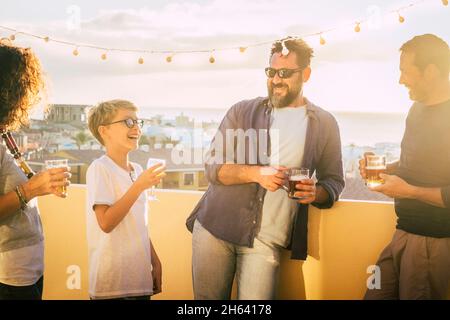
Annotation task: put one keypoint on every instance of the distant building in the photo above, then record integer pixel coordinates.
(183, 121)
(72, 114)
(178, 176)
(21, 141)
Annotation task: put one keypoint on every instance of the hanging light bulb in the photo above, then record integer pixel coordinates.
(212, 59)
(141, 60)
(401, 19)
(75, 52)
(104, 56)
(169, 59)
(12, 37)
(46, 39)
(358, 27)
(242, 49)
(322, 40)
(284, 50)
(445, 2)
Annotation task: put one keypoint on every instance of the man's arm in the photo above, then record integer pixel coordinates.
(220, 167)
(230, 174)
(330, 171)
(431, 196)
(322, 195)
(396, 187)
(268, 177)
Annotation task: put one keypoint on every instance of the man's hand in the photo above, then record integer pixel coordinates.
(270, 178)
(362, 165)
(391, 168)
(307, 190)
(394, 187)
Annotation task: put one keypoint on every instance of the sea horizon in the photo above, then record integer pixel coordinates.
(363, 128)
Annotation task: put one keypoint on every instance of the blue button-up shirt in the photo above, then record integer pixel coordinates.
(233, 213)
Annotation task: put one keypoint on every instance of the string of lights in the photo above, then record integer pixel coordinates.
(169, 54)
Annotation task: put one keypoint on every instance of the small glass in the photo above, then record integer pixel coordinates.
(295, 176)
(375, 165)
(60, 163)
(150, 163)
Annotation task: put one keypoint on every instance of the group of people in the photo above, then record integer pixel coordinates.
(245, 218)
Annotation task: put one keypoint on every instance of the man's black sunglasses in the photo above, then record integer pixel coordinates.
(130, 123)
(282, 73)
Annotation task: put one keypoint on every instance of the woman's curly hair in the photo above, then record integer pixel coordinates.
(21, 84)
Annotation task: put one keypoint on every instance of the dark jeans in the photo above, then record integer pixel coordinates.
(33, 292)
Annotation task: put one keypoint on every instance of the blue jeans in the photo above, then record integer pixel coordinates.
(215, 263)
(33, 292)
(125, 298)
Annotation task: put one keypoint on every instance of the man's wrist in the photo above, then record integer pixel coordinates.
(253, 173)
(322, 194)
(413, 192)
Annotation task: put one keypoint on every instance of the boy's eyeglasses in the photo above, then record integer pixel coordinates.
(282, 73)
(130, 123)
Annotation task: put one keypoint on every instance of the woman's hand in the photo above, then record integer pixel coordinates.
(47, 182)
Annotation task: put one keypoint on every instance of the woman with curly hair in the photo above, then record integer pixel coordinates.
(21, 236)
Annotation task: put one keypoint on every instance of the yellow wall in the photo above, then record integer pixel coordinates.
(343, 242)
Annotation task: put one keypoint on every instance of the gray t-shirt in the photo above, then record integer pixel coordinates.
(22, 228)
(425, 162)
(288, 134)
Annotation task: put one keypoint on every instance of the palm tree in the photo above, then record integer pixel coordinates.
(144, 140)
(81, 138)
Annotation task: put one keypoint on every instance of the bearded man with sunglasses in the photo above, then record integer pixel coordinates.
(245, 217)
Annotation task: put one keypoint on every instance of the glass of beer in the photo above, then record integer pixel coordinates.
(375, 165)
(49, 164)
(150, 163)
(295, 176)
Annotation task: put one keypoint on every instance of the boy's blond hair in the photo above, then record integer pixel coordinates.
(104, 113)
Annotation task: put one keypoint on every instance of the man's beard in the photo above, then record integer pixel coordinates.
(417, 95)
(279, 101)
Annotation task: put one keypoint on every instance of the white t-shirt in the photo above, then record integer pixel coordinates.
(288, 135)
(119, 261)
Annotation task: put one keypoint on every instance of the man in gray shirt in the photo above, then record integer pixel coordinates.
(245, 217)
(416, 263)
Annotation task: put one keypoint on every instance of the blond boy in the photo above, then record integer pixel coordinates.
(123, 263)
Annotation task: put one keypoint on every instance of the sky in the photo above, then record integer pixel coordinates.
(352, 72)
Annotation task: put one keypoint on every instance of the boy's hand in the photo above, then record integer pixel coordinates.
(151, 177)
